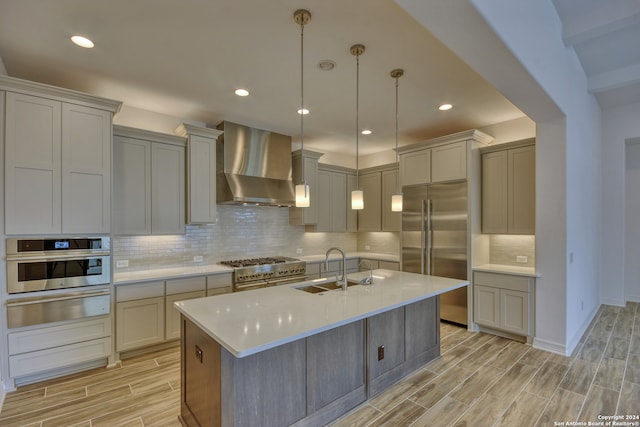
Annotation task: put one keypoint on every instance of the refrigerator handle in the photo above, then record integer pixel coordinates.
(428, 237)
(422, 235)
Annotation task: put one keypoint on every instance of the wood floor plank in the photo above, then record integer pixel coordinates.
(610, 373)
(85, 404)
(484, 412)
(38, 403)
(443, 414)
(140, 405)
(618, 348)
(401, 390)
(403, 414)
(480, 357)
(564, 405)
(592, 350)
(509, 355)
(513, 381)
(629, 397)
(476, 385)
(599, 401)
(429, 395)
(362, 416)
(579, 377)
(546, 380)
(534, 357)
(633, 369)
(451, 358)
(523, 412)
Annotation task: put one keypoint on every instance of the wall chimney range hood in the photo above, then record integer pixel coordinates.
(253, 167)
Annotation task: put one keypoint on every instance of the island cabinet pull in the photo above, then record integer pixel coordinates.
(199, 354)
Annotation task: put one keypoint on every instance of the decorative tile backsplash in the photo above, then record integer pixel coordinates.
(505, 248)
(240, 232)
(379, 242)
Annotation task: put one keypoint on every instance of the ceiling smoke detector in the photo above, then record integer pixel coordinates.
(326, 65)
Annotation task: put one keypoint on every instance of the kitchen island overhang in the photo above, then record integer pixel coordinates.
(313, 355)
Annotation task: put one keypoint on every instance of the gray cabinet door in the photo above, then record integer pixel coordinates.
(370, 218)
(422, 327)
(335, 364)
(385, 330)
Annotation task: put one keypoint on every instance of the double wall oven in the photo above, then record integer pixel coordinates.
(55, 279)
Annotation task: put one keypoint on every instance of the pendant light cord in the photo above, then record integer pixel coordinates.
(304, 178)
(397, 162)
(357, 113)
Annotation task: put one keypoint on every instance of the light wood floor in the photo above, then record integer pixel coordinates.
(480, 380)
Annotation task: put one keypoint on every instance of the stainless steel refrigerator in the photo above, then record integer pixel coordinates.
(434, 239)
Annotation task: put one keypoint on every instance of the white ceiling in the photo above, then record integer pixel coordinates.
(185, 58)
(606, 37)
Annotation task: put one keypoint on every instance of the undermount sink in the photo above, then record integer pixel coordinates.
(324, 287)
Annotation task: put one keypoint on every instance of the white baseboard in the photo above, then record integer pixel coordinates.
(550, 346)
(613, 301)
(633, 298)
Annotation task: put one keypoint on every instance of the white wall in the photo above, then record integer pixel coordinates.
(632, 244)
(544, 79)
(3, 70)
(619, 126)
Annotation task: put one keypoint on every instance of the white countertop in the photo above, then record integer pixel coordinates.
(507, 269)
(249, 322)
(348, 255)
(124, 277)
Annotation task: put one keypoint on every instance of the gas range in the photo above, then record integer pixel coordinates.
(254, 273)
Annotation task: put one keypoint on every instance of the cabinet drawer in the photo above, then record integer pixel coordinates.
(58, 357)
(366, 264)
(313, 270)
(42, 338)
(139, 291)
(502, 281)
(390, 265)
(219, 291)
(190, 284)
(219, 280)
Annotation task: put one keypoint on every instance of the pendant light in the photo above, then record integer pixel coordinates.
(357, 196)
(303, 197)
(396, 199)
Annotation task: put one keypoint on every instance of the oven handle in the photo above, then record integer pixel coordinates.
(60, 297)
(58, 257)
(287, 280)
(249, 286)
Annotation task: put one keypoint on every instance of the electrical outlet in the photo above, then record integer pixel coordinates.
(197, 258)
(381, 352)
(367, 247)
(522, 259)
(299, 251)
(122, 263)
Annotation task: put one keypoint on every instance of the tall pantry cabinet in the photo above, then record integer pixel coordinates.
(57, 159)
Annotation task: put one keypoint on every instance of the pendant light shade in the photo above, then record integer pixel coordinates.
(396, 199)
(303, 194)
(357, 195)
(357, 200)
(396, 202)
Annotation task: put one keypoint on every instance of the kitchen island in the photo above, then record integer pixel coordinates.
(283, 356)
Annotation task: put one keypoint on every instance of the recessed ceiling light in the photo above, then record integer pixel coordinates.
(445, 107)
(366, 132)
(82, 41)
(303, 111)
(326, 65)
(241, 92)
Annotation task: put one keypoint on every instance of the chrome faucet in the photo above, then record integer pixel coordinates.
(367, 280)
(344, 265)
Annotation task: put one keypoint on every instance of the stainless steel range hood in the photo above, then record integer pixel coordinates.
(253, 167)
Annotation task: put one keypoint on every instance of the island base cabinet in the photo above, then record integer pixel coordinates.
(200, 379)
(411, 338)
(335, 373)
